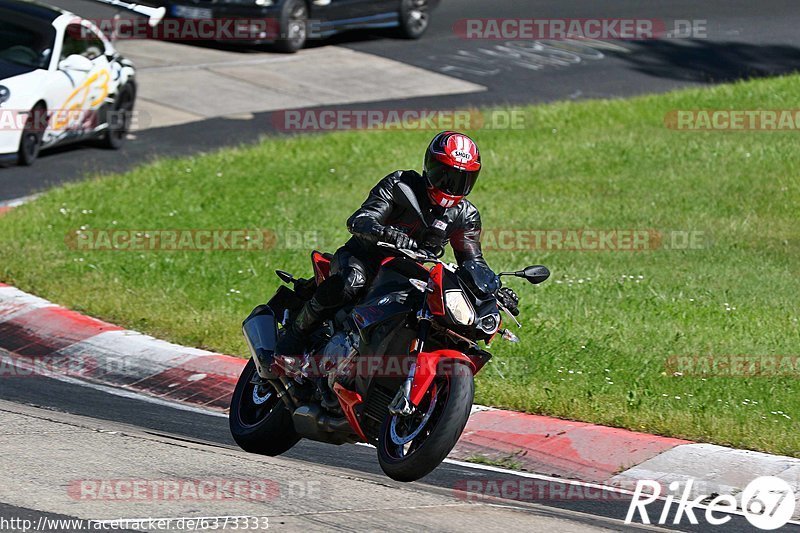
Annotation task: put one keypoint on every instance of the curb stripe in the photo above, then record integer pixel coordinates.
(13, 301)
(198, 382)
(46, 330)
(559, 447)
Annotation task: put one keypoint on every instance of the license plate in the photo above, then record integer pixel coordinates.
(191, 12)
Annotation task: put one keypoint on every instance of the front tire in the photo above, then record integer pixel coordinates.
(293, 27)
(414, 18)
(30, 143)
(409, 448)
(259, 420)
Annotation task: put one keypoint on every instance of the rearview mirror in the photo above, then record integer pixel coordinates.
(534, 274)
(76, 62)
(285, 276)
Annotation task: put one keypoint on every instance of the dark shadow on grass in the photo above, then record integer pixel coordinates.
(704, 61)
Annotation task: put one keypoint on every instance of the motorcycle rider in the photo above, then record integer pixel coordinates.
(451, 167)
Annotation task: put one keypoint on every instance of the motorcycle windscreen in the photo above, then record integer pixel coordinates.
(479, 278)
(393, 277)
(391, 294)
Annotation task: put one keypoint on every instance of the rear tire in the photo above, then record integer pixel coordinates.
(438, 436)
(30, 144)
(293, 27)
(264, 428)
(119, 119)
(414, 18)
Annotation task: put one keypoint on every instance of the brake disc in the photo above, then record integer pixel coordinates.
(397, 439)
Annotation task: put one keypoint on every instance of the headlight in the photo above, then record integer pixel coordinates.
(460, 309)
(490, 323)
(5, 94)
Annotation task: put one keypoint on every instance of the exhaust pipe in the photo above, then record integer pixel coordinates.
(311, 422)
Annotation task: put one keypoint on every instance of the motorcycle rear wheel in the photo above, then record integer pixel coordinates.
(411, 447)
(259, 420)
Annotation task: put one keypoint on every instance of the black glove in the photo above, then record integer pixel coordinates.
(434, 242)
(394, 236)
(508, 299)
(305, 288)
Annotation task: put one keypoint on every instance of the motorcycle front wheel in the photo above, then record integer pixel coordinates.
(259, 420)
(410, 447)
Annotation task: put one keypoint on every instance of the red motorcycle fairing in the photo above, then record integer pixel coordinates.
(322, 266)
(349, 400)
(427, 367)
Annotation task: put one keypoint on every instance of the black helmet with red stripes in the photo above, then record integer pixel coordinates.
(452, 165)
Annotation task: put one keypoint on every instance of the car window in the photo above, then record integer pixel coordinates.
(25, 43)
(82, 41)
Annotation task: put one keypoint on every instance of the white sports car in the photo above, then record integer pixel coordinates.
(61, 80)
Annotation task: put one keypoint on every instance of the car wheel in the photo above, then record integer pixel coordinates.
(414, 18)
(31, 142)
(293, 27)
(119, 119)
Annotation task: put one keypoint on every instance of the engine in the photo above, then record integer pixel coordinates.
(338, 356)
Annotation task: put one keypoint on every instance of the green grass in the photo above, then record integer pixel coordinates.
(509, 462)
(593, 346)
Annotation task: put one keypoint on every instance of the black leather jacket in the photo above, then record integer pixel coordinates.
(388, 206)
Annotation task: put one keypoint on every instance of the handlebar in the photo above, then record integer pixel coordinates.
(424, 256)
(421, 255)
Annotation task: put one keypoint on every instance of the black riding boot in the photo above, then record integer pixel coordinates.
(308, 319)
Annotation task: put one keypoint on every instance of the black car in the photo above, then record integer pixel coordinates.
(294, 22)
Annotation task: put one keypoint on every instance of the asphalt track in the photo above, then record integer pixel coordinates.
(191, 425)
(742, 39)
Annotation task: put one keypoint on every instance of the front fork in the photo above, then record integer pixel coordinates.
(401, 403)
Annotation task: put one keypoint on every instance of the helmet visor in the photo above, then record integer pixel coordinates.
(452, 181)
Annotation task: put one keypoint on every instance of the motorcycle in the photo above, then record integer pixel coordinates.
(396, 370)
